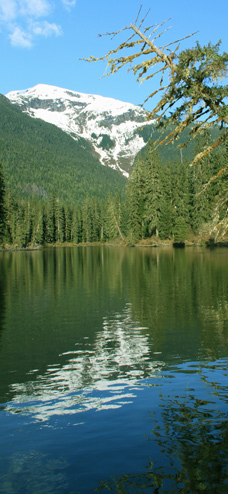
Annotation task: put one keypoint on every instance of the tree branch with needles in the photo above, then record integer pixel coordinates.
(193, 96)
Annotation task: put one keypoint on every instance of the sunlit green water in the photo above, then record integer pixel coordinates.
(113, 365)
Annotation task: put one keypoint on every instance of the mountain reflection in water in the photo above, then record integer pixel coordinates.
(112, 365)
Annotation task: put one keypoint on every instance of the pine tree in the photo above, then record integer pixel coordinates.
(68, 223)
(152, 191)
(180, 230)
(28, 221)
(166, 219)
(113, 226)
(10, 218)
(76, 230)
(167, 208)
(38, 234)
(51, 219)
(87, 221)
(2, 205)
(145, 192)
(60, 222)
(182, 192)
(202, 195)
(135, 201)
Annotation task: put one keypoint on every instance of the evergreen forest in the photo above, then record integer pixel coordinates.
(38, 157)
(163, 201)
(54, 190)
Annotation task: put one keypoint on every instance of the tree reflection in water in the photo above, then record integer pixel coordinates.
(192, 437)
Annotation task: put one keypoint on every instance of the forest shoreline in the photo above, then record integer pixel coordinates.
(210, 243)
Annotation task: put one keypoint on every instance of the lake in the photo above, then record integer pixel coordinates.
(113, 365)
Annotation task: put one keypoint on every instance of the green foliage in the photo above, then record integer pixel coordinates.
(38, 157)
(180, 230)
(171, 200)
(190, 80)
(31, 222)
(166, 219)
(2, 204)
(106, 142)
(168, 199)
(161, 200)
(148, 196)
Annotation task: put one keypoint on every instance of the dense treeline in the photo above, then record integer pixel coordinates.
(172, 201)
(176, 200)
(31, 222)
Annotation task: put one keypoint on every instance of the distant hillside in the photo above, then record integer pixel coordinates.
(116, 131)
(38, 157)
(109, 125)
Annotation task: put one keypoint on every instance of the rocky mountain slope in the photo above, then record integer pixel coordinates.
(112, 127)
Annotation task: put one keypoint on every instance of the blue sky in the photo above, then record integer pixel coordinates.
(42, 41)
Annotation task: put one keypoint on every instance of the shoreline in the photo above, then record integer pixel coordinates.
(150, 243)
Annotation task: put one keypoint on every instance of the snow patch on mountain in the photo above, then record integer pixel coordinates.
(109, 125)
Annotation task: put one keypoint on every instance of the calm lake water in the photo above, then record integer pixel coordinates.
(113, 365)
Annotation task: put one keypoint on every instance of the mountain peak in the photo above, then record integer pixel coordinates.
(110, 125)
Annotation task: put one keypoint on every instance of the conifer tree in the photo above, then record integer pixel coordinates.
(180, 230)
(190, 80)
(10, 218)
(28, 221)
(2, 205)
(76, 230)
(167, 204)
(51, 219)
(166, 219)
(113, 226)
(38, 234)
(182, 192)
(87, 221)
(135, 201)
(202, 195)
(68, 223)
(152, 191)
(60, 222)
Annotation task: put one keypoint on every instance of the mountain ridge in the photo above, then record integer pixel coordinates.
(111, 126)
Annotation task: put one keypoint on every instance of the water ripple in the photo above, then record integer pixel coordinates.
(96, 376)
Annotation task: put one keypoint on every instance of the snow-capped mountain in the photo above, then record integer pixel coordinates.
(110, 125)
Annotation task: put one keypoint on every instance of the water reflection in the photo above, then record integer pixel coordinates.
(123, 332)
(3, 269)
(183, 298)
(118, 359)
(191, 437)
(75, 317)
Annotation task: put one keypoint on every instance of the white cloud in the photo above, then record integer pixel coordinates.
(34, 8)
(20, 38)
(8, 10)
(26, 20)
(69, 3)
(46, 29)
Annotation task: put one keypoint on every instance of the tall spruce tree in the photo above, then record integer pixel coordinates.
(145, 192)
(202, 195)
(167, 204)
(51, 219)
(114, 219)
(2, 205)
(182, 192)
(153, 191)
(135, 201)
